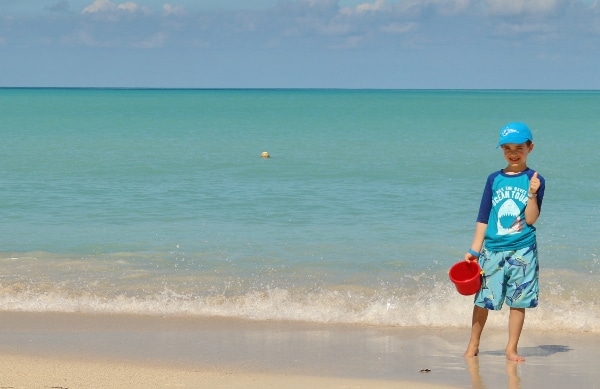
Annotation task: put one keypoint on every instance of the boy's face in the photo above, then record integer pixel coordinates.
(516, 154)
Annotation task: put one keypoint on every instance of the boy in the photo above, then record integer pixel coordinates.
(505, 239)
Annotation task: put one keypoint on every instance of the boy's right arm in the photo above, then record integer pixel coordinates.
(477, 244)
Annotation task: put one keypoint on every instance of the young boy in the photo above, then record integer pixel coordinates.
(505, 239)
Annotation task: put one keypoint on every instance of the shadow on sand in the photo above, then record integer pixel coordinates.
(539, 351)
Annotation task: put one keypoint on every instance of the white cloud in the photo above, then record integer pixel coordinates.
(410, 7)
(366, 7)
(129, 6)
(518, 7)
(101, 6)
(362, 8)
(172, 10)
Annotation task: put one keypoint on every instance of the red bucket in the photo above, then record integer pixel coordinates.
(466, 277)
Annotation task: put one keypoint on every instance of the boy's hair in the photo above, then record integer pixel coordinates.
(528, 143)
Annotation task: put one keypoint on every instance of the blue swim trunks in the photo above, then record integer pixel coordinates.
(510, 276)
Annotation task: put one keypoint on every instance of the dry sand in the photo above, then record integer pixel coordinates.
(69, 350)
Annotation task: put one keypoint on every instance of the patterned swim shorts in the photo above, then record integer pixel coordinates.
(510, 276)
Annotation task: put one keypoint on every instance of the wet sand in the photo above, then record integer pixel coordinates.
(71, 350)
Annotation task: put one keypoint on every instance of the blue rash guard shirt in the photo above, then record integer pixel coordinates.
(503, 210)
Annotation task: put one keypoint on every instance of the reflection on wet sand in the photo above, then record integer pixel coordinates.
(473, 368)
(514, 381)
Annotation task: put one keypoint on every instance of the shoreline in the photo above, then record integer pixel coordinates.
(47, 372)
(91, 350)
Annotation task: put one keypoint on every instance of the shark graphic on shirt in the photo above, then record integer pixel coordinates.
(509, 220)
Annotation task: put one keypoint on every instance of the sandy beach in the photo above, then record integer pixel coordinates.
(70, 350)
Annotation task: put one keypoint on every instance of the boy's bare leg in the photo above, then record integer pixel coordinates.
(515, 325)
(479, 318)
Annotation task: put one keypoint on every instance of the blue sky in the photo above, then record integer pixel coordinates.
(480, 44)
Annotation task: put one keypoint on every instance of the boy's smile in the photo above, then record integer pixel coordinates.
(516, 156)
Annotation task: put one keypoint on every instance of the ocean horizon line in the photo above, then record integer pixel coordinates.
(296, 89)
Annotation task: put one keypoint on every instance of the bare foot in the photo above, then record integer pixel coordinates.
(472, 351)
(513, 356)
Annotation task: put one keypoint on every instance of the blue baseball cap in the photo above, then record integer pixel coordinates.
(515, 132)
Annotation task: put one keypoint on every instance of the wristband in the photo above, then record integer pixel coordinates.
(531, 195)
(474, 253)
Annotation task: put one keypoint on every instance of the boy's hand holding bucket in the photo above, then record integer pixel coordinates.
(466, 276)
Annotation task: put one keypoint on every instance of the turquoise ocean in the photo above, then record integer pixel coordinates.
(157, 202)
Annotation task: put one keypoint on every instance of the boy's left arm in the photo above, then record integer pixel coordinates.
(532, 209)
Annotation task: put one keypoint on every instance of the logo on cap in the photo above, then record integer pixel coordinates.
(507, 131)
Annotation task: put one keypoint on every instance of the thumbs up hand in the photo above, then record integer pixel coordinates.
(534, 183)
